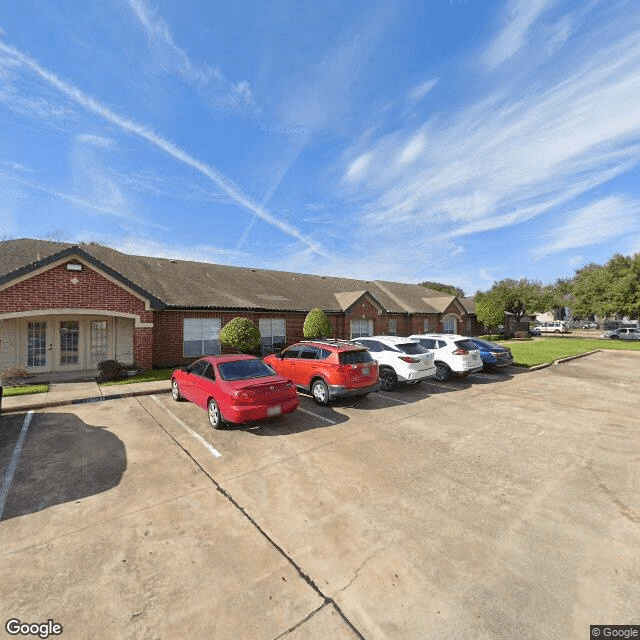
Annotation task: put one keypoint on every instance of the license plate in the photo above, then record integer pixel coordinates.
(274, 411)
(365, 371)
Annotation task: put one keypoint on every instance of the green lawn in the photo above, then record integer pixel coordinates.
(25, 390)
(148, 376)
(535, 352)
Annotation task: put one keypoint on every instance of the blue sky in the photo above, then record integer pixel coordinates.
(461, 141)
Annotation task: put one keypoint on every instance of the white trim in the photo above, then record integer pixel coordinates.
(63, 311)
(71, 258)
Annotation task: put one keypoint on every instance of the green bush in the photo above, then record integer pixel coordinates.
(240, 334)
(493, 337)
(316, 325)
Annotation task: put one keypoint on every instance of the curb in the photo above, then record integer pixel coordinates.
(561, 360)
(94, 399)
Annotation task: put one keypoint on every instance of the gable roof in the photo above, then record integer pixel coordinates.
(184, 284)
(19, 258)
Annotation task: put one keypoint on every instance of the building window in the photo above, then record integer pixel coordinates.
(361, 328)
(449, 325)
(273, 334)
(393, 324)
(69, 341)
(98, 343)
(201, 337)
(36, 344)
(426, 325)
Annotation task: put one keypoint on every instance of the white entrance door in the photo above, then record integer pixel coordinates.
(39, 348)
(68, 354)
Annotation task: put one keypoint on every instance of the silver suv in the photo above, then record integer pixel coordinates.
(453, 354)
(399, 360)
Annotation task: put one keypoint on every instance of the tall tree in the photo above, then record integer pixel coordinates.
(489, 310)
(605, 290)
(520, 297)
(445, 288)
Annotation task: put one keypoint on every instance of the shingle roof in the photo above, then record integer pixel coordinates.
(185, 284)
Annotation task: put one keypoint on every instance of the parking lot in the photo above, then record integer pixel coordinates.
(496, 506)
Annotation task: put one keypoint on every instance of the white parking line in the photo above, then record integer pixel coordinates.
(13, 463)
(214, 452)
(440, 384)
(394, 399)
(315, 415)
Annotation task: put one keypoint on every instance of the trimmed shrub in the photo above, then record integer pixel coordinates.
(316, 325)
(111, 370)
(240, 334)
(13, 376)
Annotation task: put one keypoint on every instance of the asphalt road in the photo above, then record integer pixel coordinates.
(499, 506)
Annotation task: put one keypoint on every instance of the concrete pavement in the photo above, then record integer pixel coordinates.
(66, 393)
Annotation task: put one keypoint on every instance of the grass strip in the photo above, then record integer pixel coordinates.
(152, 375)
(547, 350)
(24, 390)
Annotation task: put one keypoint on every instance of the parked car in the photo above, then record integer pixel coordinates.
(559, 326)
(234, 388)
(328, 369)
(589, 325)
(623, 333)
(493, 355)
(399, 360)
(453, 354)
(535, 331)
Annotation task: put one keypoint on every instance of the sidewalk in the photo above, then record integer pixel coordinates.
(65, 393)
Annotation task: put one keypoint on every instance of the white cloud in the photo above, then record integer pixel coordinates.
(173, 59)
(418, 92)
(358, 167)
(96, 141)
(519, 17)
(594, 223)
(506, 159)
(223, 182)
(413, 149)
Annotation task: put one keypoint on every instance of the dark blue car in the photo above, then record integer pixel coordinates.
(493, 355)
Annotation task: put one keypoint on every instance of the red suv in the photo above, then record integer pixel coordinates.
(328, 369)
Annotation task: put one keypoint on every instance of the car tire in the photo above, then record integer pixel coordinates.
(320, 392)
(388, 379)
(213, 412)
(443, 373)
(175, 391)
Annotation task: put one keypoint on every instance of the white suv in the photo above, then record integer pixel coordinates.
(559, 326)
(452, 354)
(399, 360)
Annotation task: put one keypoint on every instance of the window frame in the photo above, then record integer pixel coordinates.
(204, 337)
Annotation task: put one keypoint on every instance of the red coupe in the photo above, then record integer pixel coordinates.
(234, 388)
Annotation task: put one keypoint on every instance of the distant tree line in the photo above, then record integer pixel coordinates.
(602, 290)
(444, 288)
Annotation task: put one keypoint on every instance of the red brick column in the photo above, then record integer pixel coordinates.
(143, 347)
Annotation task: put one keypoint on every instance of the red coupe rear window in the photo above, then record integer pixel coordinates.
(243, 369)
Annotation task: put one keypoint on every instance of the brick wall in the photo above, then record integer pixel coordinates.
(59, 288)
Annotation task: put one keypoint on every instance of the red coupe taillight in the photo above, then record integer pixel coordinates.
(244, 395)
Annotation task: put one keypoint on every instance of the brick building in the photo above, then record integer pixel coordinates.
(66, 307)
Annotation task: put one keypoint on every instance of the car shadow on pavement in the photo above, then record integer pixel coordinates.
(62, 459)
(308, 416)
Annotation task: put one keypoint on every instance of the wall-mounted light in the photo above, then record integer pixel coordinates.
(74, 266)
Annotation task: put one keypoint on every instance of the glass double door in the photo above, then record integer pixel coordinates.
(65, 344)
